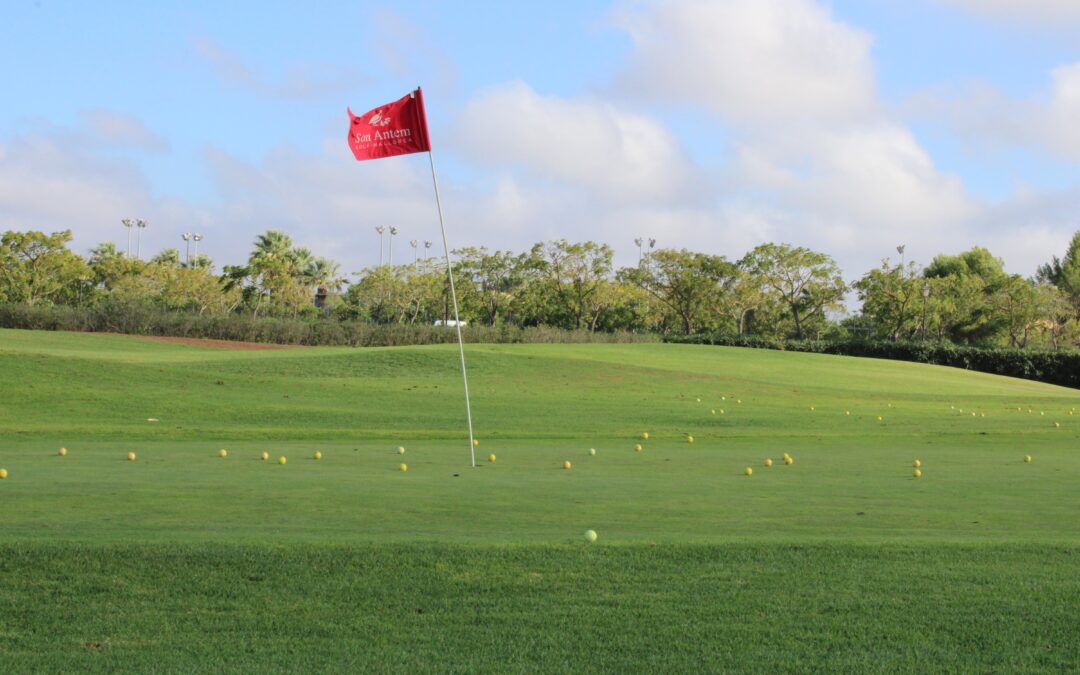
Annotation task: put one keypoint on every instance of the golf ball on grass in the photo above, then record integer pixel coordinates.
(131, 456)
(689, 439)
(644, 435)
(491, 458)
(265, 456)
(476, 442)
(282, 460)
(567, 464)
(3, 473)
(592, 452)
(318, 455)
(749, 471)
(789, 461)
(1027, 459)
(638, 448)
(590, 536)
(62, 452)
(917, 464)
(400, 450)
(403, 467)
(223, 453)
(768, 462)
(918, 473)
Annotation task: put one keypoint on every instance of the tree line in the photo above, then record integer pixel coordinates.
(774, 291)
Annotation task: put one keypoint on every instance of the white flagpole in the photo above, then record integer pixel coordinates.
(457, 321)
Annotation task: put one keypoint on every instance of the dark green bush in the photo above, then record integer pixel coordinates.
(1052, 366)
(135, 318)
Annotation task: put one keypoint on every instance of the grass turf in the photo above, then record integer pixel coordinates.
(842, 560)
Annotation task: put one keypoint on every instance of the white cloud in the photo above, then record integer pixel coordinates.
(1049, 12)
(751, 62)
(580, 142)
(817, 159)
(988, 118)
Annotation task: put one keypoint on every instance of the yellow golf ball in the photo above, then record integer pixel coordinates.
(318, 455)
(491, 458)
(265, 456)
(1027, 458)
(644, 435)
(403, 467)
(918, 473)
(637, 448)
(566, 464)
(689, 439)
(916, 464)
(222, 453)
(3, 473)
(590, 536)
(62, 452)
(749, 471)
(131, 456)
(768, 462)
(282, 460)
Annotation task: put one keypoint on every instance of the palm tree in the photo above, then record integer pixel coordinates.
(325, 276)
(168, 257)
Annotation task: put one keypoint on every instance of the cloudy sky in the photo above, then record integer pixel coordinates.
(848, 126)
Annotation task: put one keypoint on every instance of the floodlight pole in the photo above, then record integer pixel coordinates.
(457, 321)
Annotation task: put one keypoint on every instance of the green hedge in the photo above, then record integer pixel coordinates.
(1055, 367)
(139, 320)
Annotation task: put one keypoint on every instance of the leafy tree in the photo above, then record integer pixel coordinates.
(745, 299)
(1015, 302)
(1064, 273)
(891, 298)
(964, 286)
(807, 283)
(168, 257)
(497, 278)
(690, 285)
(570, 276)
(37, 267)
(108, 265)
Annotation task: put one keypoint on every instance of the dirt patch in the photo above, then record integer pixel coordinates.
(216, 344)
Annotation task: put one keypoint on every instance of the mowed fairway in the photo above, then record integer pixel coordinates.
(182, 560)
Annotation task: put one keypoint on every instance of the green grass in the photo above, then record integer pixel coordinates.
(181, 561)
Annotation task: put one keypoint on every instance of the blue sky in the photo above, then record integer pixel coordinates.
(848, 126)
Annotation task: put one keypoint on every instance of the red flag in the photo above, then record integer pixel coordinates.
(398, 128)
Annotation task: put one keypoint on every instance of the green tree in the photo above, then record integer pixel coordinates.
(37, 267)
(964, 287)
(689, 285)
(1064, 273)
(891, 297)
(805, 282)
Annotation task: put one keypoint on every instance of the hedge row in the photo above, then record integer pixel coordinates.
(138, 320)
(1055, 367)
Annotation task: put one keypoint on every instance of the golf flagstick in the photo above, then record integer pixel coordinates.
(400, 128)
(457, 322)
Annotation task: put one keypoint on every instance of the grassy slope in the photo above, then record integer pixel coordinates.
(891, 582)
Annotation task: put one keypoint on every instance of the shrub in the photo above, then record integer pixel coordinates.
(1052, 366)
(137, 318)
